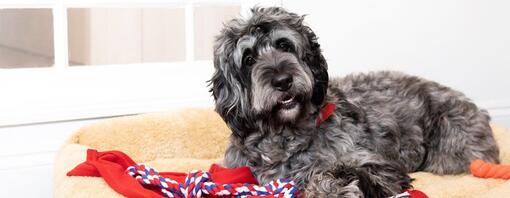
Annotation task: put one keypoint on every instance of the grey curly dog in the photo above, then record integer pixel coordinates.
(271, 83)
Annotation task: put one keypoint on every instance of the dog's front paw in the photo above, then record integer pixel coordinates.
(334, 183)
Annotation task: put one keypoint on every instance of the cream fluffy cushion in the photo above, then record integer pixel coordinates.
(194, 138)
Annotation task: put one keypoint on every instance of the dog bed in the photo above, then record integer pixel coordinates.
(190, 139)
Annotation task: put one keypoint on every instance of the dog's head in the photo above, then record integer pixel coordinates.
(269, 66)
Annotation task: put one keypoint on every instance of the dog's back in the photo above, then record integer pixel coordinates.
(435, 128)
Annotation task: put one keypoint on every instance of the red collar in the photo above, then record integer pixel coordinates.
(325, 113)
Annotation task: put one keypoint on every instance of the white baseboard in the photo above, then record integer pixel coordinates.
(27, 156)
(502, 120)
(38, 139)
(499, 111)
(28, 182)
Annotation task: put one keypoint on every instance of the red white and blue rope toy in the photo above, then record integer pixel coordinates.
(197, 184)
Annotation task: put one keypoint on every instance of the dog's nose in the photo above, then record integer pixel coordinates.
(282, 82)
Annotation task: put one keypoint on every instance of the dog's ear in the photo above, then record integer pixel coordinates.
(226, 88)
(315, 60)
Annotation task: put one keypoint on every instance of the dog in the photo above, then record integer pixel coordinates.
(271, 86)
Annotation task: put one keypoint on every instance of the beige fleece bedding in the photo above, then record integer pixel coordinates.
(196, 138)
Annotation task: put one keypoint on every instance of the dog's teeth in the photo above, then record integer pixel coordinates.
(288, 101)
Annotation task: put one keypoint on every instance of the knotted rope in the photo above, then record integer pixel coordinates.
(197, 184)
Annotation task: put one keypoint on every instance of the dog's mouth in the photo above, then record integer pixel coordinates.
(287, 101)
(288, 107)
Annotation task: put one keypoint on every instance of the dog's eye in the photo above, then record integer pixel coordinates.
(248, 60)
(284, 45)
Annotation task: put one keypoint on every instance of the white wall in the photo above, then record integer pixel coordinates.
(464, 44)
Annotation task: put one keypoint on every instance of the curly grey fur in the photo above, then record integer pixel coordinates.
(386, 124)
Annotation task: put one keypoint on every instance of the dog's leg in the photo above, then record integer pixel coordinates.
(363, 175)
(462, 134)
(339, 182)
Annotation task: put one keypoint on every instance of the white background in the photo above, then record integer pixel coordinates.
(462, 44)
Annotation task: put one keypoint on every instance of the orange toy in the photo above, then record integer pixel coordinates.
(480, 168)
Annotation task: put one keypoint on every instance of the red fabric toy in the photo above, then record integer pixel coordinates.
(112, 165)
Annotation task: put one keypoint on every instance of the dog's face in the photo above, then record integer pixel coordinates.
(267, 67)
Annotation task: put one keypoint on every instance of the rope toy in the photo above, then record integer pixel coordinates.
(197, 184)
(127, 178)
(480, 168)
